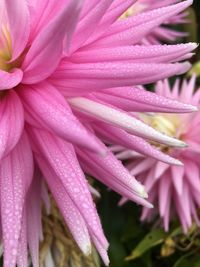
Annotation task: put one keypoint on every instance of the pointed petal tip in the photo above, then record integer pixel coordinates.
(151, 206)
(193, 45)
(87, 249)
(148, 205)
(178, 162)
(191, 108)
(176, 143)
(141, 191)
(185, 67)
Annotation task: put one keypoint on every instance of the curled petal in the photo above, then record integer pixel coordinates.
(9, 80)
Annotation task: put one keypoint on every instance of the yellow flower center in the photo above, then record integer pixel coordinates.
(168, 124)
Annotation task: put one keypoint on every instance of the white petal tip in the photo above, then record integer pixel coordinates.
(150, 206)
(141, 192)
(178, 143)
(192, 108)
(87, 249)
(177, 162)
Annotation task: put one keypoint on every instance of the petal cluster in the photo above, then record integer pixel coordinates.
(163, 32)
(66, 71)
(174, 190)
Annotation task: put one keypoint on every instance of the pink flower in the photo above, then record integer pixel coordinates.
(59, 65)
(174, 190)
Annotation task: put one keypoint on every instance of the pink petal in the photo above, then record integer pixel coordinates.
(11, 79)
(22, 257)
(113, 13)
(118, 136)
(15, 170)
(102, 251)
(46, 50)
(177, 178)
(134, 54)
(138, 99)
(50, 111)
(160, 169)
(184, 205)
(193, 174)
(96, 76)
(143, 166)
(89, 23)
(71, 214)
(18, 19)
(164, 194)
(62, 160)
(11, 122)
(122, 120)
(34, 220)
(133, 29)
(187, 94)
(111, 172)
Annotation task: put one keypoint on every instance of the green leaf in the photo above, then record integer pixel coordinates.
(187, 259)
(197, 263)
(154, 238)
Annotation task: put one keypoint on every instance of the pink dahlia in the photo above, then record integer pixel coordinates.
(61, 62)
(174, 190)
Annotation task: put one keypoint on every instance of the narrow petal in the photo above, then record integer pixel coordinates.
(102, 251)
(15, 170)
(95, 76)
(62, 160)
(48, 107)
(120, 137)
(113, 167)
(71, 214)
(138, 99)
(134, 28)
(34, 220)
(177, 178)
(122, 120)
(134, 54)
(22, 255)
(113, 13)
(164, 194)
(143, 166)
(118, 180)
(160, 169)
(193, 174)
(46, 50)
(11, 122)
(89, 23)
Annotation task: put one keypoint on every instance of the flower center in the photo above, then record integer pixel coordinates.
(168, 124)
